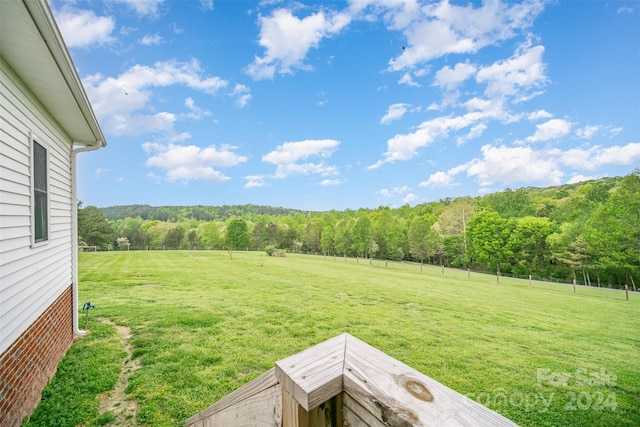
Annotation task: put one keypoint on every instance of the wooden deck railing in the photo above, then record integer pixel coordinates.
(345, 382)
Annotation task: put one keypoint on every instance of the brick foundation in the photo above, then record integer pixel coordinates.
(29, 363)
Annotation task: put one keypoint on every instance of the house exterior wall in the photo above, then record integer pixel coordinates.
(28, 364)
(34, 278)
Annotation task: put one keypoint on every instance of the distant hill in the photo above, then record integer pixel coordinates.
(535, 200)
(200, 213)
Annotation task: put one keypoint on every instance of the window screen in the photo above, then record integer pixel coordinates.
(40, 197)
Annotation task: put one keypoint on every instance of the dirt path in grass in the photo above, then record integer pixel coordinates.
(116, 401)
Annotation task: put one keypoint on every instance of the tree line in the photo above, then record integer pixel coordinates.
(588, 231)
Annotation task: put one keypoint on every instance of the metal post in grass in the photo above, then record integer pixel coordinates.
(386, 263)
(86, 307)
(574, 285)
(443, 269)
(468, 273)
(529, 280)
(626, 291)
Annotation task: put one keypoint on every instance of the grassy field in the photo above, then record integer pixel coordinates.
(204, 324)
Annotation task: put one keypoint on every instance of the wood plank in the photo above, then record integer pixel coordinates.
(252, 388)
(293, 415)
(357, 415)
(260, 410)
(314, 375)
(399, 395)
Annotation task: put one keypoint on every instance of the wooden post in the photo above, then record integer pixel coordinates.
(574, 285)
(626, 291)
(420, 266)
(386, 263)
(443, 269)
(468, 273)
(293, 415)
(529, 280)
(334, 384)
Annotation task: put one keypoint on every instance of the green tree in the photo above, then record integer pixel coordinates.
(342, 236)
(361, 235)
(173, 238)
(488, 233)
(424, 241)
(93, 228)
(326, 240)
(510, 203)
(613, 232)
(237, 234)
(527, 245)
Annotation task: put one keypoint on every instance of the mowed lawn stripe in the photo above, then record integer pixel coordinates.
(203, 324)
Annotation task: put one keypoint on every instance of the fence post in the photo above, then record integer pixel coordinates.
(626, 291)
(386, 263)
(468, 273)
(574, 285)
(420, 266)
(529, 280)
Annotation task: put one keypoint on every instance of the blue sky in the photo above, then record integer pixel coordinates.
(334, 105)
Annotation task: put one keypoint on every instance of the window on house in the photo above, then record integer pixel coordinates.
(40, 194)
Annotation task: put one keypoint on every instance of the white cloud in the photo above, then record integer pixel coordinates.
(409, 198)
(148, 8)
(450, 78)
(287, 39)
(437, 29)
(507, 166)
(101, 171)
(552, 129)
(625, 10)
(394, 112)
(475, 132)
(614, 131)
(385, 193)
(190, 162)
(439, 180)
(330, 182)
(242, 94)
(598, 156)
(255, 181)
(82, 28)
(502, 164)
(587, 132)
(538, 115)
(579, 178)
(287, 157)
(196, 113)
(206, 4)
(516, 76)
(406, 79)
(151, 39)
(120, 101)
(406, 146)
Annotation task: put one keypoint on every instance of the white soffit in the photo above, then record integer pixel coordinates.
(32, 46)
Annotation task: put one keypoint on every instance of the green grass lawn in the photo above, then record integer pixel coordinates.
(204, 324)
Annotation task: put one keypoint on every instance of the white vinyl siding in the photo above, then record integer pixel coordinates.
(32, 276)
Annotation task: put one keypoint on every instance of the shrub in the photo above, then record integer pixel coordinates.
(270, 249)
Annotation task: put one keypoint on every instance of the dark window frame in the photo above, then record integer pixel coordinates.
(40, 192)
